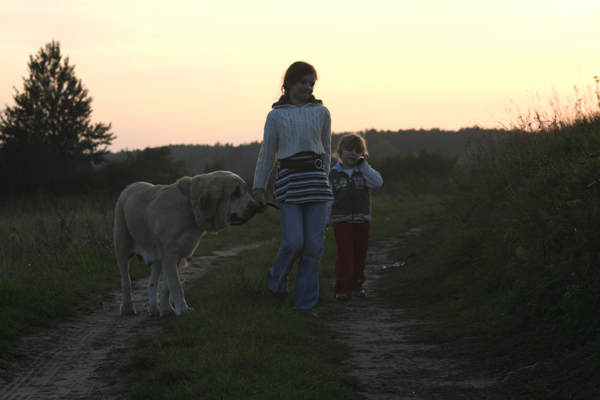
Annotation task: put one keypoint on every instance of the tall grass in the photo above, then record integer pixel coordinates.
(523, 231)
(56, 252)
(413, 174)
(563, 112)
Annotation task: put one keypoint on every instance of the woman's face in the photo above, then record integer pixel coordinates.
(302, 90)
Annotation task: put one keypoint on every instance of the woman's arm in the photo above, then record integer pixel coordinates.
(267, 155)
(326, 140)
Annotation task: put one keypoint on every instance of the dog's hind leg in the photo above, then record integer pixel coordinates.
(153, 289)
(124, 244)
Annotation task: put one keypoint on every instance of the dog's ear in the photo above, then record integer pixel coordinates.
(209, 200)
(196, 190)
(207, 194)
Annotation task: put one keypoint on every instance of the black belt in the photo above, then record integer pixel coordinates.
(315, 163)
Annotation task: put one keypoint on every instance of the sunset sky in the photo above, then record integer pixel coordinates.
(201, 72)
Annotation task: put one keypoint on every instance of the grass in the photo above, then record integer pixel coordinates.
(260, 228)
(237, 344)
(525, 238)
(56, 254)
(513, 265)
(531, 361)
(394, 215)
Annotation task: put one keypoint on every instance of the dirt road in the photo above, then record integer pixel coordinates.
(78, 360)
(389, 360)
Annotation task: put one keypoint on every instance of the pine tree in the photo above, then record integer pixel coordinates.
(47, 140)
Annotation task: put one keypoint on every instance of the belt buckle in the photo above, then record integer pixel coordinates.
(319, 164)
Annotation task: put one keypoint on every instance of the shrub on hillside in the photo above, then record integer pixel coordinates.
(412, 174)
(522, 236)
(153, 165)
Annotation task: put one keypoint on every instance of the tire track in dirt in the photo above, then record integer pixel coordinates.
(387, 359)
(80, 358)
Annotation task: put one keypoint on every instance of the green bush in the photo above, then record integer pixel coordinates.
(414, 174)
(522, 233)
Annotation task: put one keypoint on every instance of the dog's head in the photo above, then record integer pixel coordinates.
(220, 199)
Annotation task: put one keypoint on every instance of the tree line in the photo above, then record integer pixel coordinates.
(241, 159)
(48, 142)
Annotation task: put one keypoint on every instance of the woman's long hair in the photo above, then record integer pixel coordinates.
(294, 73)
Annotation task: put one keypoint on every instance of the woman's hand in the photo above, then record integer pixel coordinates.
(262, 203)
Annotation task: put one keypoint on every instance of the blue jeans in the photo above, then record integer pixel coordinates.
(303, 230)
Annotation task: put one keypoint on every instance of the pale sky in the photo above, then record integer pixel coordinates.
(201, 72)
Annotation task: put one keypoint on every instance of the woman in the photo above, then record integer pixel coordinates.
(298, 135)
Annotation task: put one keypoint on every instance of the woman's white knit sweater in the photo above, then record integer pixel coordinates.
(290, 130)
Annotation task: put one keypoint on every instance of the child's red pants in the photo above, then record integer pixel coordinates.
(352, 243)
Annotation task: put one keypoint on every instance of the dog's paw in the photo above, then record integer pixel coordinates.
(184, 310)
(128, 309)
(153, 311)
(166, 311)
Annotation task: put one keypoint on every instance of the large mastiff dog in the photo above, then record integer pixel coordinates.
(163, 224)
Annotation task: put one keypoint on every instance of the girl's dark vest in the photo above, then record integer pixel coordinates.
(352, 197)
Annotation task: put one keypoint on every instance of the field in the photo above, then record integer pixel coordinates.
(502, 279)
(234, 324)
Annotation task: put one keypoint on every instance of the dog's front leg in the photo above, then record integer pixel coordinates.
(165, 308)
(171, 279)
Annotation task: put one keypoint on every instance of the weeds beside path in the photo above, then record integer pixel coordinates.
(83, 357)
(389, 358)
(410, 342)
(395, 354)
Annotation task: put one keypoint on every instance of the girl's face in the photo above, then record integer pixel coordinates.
(349, 157)
(302, 90)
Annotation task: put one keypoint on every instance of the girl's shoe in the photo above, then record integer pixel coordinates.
(342, 297)
(312, 313)
(360, 293)
(279, 301)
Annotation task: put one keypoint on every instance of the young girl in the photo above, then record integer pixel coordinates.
(351, 180)
(298, 135)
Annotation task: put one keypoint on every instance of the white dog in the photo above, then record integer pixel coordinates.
(163, 224)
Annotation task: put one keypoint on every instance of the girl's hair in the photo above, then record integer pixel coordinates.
(350, 141)
(294, 73)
